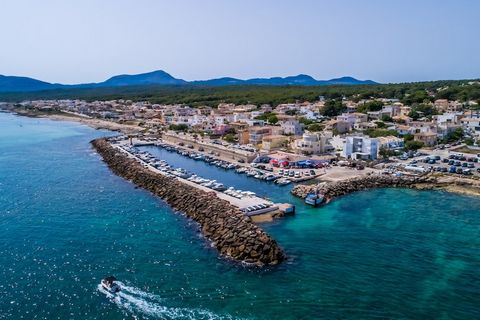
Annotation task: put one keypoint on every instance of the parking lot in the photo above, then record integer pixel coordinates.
(444, 161)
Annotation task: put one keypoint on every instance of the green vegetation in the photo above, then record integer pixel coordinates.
(314, 127)
(385, 153)
(269, 117)
(178, 127)
(422, 110)
(370, 106)
(409, 93)
(375, 133)
(305, 121)
(333, 108)
(386, 118)
(229, 137)
(413, 145)
(453, 136)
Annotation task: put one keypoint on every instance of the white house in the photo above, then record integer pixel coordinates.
(360, 148)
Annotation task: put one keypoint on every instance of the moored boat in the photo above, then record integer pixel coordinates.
(313, 199)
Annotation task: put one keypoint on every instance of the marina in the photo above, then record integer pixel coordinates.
(247, 201)
(260, 168)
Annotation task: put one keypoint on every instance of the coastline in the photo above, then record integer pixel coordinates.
(332, 190)
(465, 186)
(91, 122)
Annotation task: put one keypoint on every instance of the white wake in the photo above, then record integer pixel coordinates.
(136, 302)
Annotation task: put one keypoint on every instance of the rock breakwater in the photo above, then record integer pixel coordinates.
(339, 188)
(233, 234)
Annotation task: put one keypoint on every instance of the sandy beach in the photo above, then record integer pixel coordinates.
(91, 122)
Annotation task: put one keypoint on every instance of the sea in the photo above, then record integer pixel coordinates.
(66, 222)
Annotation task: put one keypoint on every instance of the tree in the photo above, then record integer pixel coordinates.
(370, 106)
(469, 141)
(291, 112)
(385, 152)
(229, 138)
(375, 133)
(413, 145)
(408, 137)
(332, 108)
(178, 127)
(386, 118)
(230, 130)
(314, 127)
(381, 124)
(305, 121)
(273, 119)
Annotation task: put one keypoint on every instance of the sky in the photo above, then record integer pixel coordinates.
(79, 41)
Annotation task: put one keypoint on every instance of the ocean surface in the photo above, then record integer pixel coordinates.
(66, 222)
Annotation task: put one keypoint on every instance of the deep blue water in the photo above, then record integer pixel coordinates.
(66, 221)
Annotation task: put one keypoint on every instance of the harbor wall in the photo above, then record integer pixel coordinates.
(339, 188)
(233, 234)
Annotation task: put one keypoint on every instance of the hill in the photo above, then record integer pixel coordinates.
(160, 77)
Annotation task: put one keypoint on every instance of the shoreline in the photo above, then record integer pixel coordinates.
(332, 190)
(94, 123)
(457, 185)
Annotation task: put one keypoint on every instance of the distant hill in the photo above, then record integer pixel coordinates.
(22, 84)
(299, 80)
(160, 77)
(155, 77)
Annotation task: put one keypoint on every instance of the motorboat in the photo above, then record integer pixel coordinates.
(313, 199)
(110, 284)
(270, 177)
(283, 182)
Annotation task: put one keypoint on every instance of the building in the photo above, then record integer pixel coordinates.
(256, 134)
(353, 118)
(338, 126)
(273, 142)
(361, 148)
(243, 136)
(447, 123)
(471, 125)
(292, 127)
(312, 143)
(391, 142)
(428, 138)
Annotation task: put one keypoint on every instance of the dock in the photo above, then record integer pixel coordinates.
(241, 203)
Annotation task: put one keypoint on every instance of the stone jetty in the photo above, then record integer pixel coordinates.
(339, 188)
(233, 234)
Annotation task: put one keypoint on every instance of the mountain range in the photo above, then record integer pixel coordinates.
(160, 77)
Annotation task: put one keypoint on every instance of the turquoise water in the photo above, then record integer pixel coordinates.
(66, 222)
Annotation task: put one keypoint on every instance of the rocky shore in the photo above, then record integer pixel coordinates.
(233, 234)
(339, 188)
